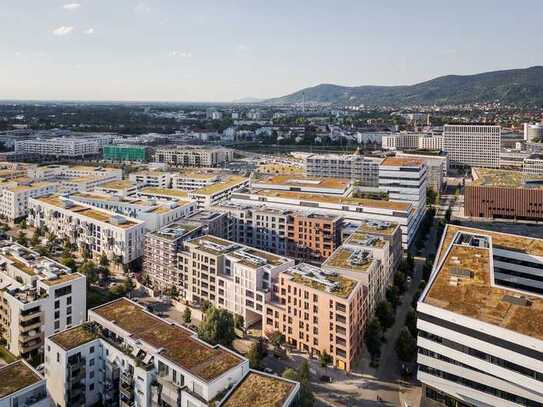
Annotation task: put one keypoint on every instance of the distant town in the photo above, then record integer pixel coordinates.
(276, 255)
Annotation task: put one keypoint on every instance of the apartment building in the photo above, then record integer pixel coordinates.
(303, 236)
(480, 339)
(218, 192)
(412, 141)
(97, 230)
(21, 385)
(60, 172)
(14, 199)
(533, 165)
(472, 145)
(437, 164)
(153, 179)
(321, 185)
(350, 209)
(355, 167)
(213, 222)
(431, 143)
(317, 311)
(504, 194)
(155, 213)
(127, 356)
(230, 275)
(193, 180)
(160, 254)
(39, 297)
(69, 147)
(190, 156)
(121, 188)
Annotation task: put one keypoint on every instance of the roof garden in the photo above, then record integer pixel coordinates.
(402, 162)
(330, 283)
(303, 181)
(464, 284)
(487, 177)
(176, 193)
(74, 337)
(178, 344)
(352, 259)
(16, 376)
(214, 188)
(261, 390)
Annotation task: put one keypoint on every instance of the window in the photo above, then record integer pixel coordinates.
(91, 387)
(57, 304)
(57, 325)
(59, 292)
(91, 349)
(69, 301)
(57, 314)
(69, 320)
(69, 311)
(91, 362)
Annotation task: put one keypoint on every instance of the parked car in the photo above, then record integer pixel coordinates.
(326, 379)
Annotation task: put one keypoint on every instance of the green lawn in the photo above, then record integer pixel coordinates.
(98, 296)
(6, 355)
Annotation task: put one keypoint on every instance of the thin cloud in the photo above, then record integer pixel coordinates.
(71, 6)
(88, 31)
(63, 30)
(142, 8)
(182, 54)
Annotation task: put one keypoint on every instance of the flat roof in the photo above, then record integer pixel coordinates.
(345, 286)
(280, 169)
(34, 185)
(474, 293)
(260, 390)
(178, 344)
(334, 199)
(74, 337)
(200, 175)
(349, 258)
(402, 161)
(487, 177)
(165, 192)
(229, 182)
(118, 184)
(16, 376)
(379, 228)
(62, 278)
(303, 181)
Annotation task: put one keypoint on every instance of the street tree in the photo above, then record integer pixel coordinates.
(217, 327)
(406, 346)
(385, 314)
(187, 315)
(372, 338)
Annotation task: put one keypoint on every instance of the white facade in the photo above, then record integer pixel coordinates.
(533, 132)
(189, 156)
(21, 385)
(191, 181)
(14, 200)
(155, 179)
(363, 170)
(533, 165)
(218, 192)
(40, 297)
(98, 230)
(472, 145)
(437, 168)
(60, 147)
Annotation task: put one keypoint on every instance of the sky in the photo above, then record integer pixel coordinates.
(207, 50)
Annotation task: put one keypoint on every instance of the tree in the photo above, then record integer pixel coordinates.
(306, 392)
(431, 196)
(88, 268)
(406, 346)
(104, 261)
(21, 238)
(217, 327)
(238, 321)
(86, 251)
(69, 261)
(410, 263)
(35, 238)
(187, 315)
(448, 215)
(290, 374)
(372, 338)
(325, 359)
(255, 357)
(411, 322)
(385, 314)
(427, 270)
(392, 295)
(400, 282)
(277, 339)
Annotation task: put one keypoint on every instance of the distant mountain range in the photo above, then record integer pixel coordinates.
(514, 86)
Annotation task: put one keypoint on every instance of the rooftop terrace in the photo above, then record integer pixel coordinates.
(348, 258)
(178, 344)
(261, 390)
(322, 280)
(16, 376)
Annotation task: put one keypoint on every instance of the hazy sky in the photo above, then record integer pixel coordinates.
(222, 50)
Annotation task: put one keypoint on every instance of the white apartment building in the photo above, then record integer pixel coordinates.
(437, 168)
(433, 143)
(155, 213)
(355, 209)
(14, 199)
(193, 180)
(533, 165)
(98, 230)
(301, 183)
(154, 179)
(218, 192)
(21, 385)
(533, 132)
(355, 167)
(472, 145)
(480, 338)
(62, 172)
(39, 297)
(229, 275)
(190, 156)
(412, 141)
(405, 179)
(126, 356)
(122, 188)
(71, 147)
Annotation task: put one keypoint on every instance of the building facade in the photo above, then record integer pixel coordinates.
(472, 145)
(189, 156)
(125, 153)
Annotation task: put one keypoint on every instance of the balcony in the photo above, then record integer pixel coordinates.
(29, 326)
(25, 316)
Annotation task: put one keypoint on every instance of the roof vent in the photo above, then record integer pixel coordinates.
(118, 220)
(460, 272)
(517, 300)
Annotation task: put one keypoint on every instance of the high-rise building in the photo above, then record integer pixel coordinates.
(472, 145)
(480, 337)
(357, 168)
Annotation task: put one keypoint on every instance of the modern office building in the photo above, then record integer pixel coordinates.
(315, 185)
(504, 194)
(413, 141)
(97, 230)
(218, 192)
(533, 165)
(357, 168)
(193, 180)
(437, 164)
(39, 297)
(190, 156)
(21, 385)
(472, 145)
(152, 179)
(121, 188)
(121, 152)
(533, 132)
(480, 338)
